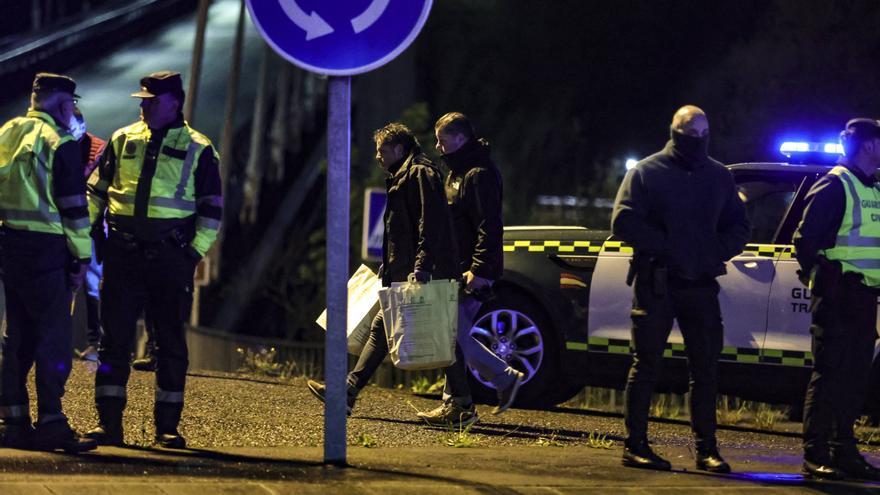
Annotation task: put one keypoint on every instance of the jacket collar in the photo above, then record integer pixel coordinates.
(39, 114)
(474, 153)
(864, 179)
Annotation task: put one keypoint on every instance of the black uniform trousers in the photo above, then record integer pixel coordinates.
(159, 276)
(844, 329)
(38, 323)
(695, 307)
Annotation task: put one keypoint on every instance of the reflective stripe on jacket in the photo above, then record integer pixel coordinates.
(858, 241)
(172, 192)
(27, 189)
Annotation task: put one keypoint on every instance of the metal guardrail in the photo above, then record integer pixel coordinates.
(61, 48)
(215, 350)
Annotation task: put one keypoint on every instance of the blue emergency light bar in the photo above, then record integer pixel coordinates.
(789, 148)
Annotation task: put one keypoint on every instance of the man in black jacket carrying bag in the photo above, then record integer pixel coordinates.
(473, 193)
(680, 212)
(418, 238)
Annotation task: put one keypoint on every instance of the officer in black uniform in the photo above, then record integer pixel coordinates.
(838, 247)
(159, 185)
(680, 212)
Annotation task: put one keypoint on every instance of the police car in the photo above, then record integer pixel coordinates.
(562, 309)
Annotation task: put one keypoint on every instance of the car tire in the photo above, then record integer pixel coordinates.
(516, 313)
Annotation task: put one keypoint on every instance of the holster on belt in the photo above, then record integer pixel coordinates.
(827, 278)
(100, 239)
(653, 269)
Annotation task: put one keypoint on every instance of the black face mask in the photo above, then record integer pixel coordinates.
(691, 148)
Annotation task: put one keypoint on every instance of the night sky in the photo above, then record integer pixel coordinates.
(569, 89)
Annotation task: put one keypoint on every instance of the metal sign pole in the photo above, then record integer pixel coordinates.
(338, 197)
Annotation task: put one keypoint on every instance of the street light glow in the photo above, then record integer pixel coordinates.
(630, 163)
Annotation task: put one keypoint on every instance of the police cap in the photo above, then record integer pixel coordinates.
(47, 82)
(159, 83)
(858, 131)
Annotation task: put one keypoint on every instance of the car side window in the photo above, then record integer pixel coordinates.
(766, 202)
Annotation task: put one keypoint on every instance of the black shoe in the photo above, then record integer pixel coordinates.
(146, 363)
(171, 440)
(508, 395)
(58, 435)
(711, 461)
(318, 389)
(856, 467)
(109, 436)
(17, 436)
(641, 456)
(821, 469)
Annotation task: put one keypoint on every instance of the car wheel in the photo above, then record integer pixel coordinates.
(518, 331)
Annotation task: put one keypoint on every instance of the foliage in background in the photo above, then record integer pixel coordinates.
(264, 362)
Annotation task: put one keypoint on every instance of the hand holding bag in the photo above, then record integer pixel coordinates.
(421, 320)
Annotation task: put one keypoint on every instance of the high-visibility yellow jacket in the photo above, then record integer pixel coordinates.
(857, 247)
(42, 188)
(183, 190)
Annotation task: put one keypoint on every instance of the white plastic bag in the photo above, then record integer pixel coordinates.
(420, 323)
(363, 304)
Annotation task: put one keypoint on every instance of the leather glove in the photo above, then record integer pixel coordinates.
(76, 275)
(475, 283)
(422, 276)
(99, 237)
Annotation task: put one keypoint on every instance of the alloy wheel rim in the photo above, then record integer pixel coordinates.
(512, 336)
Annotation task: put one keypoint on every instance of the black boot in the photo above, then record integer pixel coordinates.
(167, 417)
(16, 434)
(819, 466)
(109, 430)
(640, 455)
(710, 460)
(58, 435)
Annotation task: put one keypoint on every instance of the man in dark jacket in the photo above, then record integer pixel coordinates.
(418, 238)
(680, 212)
(473, 192)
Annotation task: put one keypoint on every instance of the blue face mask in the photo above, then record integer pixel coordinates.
(76, 128)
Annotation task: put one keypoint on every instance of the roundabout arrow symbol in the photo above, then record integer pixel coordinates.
(312, 24)
(369, 17)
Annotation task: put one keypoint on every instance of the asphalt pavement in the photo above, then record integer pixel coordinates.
(253, 434)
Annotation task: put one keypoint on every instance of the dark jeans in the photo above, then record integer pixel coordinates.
(470, 352)
(844, 331)
(39, 324)
(371, 357)
(696, 308)
(159, 277)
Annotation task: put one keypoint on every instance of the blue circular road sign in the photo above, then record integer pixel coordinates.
(339, 38)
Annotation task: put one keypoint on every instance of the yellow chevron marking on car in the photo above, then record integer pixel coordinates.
(766, 250)
(782, 251)
(554, 246)
(738, 354)
(616, 247)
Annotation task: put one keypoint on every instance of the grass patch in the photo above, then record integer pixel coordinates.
(599, 441)
(549, 441)
(422, 385)
(363, 440)
(460, 438)
(865, 433)
(264, 362)
(767, 417)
